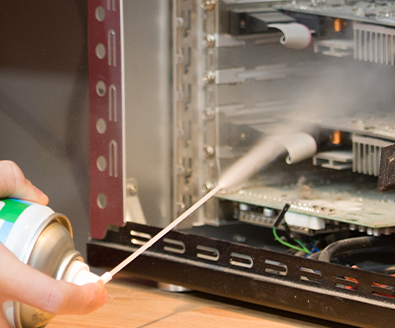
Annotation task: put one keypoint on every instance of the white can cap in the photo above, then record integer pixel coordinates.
(79, 274)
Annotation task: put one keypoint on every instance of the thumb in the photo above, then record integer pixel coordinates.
(14, 184)
(81, 299)
(21, 283)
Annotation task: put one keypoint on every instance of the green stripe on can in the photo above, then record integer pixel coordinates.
(11, 209)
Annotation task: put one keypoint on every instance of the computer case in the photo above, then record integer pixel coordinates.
(180, 90)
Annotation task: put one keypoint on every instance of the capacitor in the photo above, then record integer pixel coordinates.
(339, 25)
(336, 137)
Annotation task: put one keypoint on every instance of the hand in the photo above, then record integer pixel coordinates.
(14, 184)
(21, 283)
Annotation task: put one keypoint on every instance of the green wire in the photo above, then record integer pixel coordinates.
(303, 246)
(303, 249)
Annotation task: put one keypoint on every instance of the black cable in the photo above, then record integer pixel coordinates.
(382, 250)
(315, 256)
(351, 244)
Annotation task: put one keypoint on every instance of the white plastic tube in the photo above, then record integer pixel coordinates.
(107, 276)
(296, 36)
(300, 146)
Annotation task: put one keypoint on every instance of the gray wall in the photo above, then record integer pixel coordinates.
(44, 101)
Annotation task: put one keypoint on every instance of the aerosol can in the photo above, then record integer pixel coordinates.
(42, 239)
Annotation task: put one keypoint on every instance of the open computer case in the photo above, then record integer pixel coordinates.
(180, 90)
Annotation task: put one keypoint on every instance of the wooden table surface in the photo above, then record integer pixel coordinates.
(136, 303)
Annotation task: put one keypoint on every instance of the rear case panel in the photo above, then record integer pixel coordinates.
(276, 280)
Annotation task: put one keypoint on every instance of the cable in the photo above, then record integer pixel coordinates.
(315, 256)
(341, 246)
(303, 246)
(303, 249)
(281, 218)
(315, 248)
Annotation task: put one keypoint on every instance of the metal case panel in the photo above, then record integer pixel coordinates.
(130, 121)
(106, 115)
(264, 277)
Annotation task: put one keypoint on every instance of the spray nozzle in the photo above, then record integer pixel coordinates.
(79, 274)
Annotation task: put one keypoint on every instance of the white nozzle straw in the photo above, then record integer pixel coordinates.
(258, 157)
(160, 234)
(106, 277)
(78, 273)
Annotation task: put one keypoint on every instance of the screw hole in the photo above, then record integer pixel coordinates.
(101, 88)
(100, 13)
(100, 51)
(102, 201)
(101, 126)
(101, 163)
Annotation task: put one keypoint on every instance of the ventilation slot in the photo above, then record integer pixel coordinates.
(383, 290)
(346, 283)
(176, 246)
(276, 268)
(139, 238)
(310, 275)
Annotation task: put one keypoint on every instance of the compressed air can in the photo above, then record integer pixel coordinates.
(42, 239)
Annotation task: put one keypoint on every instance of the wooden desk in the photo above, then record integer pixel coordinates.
(135, 303)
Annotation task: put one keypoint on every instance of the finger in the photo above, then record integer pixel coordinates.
(14, 184)
(82, 299)
(23, 284)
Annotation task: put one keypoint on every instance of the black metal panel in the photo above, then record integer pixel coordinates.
(386, 181)
(254, 275)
